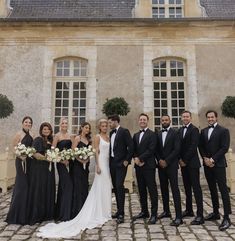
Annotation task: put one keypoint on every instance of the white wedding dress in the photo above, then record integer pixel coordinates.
(97, 208)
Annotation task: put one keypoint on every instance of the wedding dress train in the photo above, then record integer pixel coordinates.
(97, 208)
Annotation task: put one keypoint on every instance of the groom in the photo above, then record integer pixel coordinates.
(121, 151)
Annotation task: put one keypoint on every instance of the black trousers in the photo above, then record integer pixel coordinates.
(191, 180)
(217, 175)
(166, 175)
(147, 181)
(118, 175)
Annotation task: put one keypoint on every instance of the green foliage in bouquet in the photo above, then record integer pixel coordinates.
(6, 106)
(116, 105)
(228, 107)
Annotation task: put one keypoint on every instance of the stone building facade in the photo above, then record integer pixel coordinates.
(65, 58)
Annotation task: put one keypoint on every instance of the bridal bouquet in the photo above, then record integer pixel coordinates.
(53, 155)
(84, 153)
(66, 154)
(23, 151)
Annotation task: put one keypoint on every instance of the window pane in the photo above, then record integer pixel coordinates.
(174, 94)
(164, 103)
(83, 85)
(156, 72)
(173, 86)
(58, 94)
(59, 64)
(58, 111)
(76, 94)
(156, 94)
(83, 94)
(157, 103)
(75, 103)
(174, 112)
(157, 112)
(59, 85)
(180, 72)
(57, 120)
(164, 94)
(59, 72)
(181, 94)
(181, 103)
(76, 72)
(83, 103)
(180, 85)
(66, 72)
(178, 1)
(163, 72)
(76, 86)
(164, 111)
(156, 86)
(65, 103)
(82, 112)
(65, 85)
(76, 64)
(83, 72)
(65, 112)
(163, 86)
(174, 103)
(66, 63)
(58, 103)
(171, 1)
(65, 94)
(163, 64)
(173, 72)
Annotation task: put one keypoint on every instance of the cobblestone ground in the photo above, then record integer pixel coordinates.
(137, 231)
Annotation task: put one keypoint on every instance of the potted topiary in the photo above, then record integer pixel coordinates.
(228, 107)
(116, 105)
(6, 106)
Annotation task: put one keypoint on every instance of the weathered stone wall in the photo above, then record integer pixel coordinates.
(216, 80)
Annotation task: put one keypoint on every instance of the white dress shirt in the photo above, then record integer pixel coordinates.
(112, 141)
(211, 130)
(142, 133)
(164, 134)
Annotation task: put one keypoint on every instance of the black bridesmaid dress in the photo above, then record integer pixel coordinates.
(41, 198)
(65, 187)
(18, 209)
(80, 183)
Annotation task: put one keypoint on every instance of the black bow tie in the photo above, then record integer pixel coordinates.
(164, 130)
(185, 127)
(142, 130)
(114, 131)
(211, 126)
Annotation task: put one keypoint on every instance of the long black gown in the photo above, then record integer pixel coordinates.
(18, 209)
(41, 199)
(65, 187)
(80, 183)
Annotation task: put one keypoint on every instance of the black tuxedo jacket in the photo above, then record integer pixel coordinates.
(145, 150)
(171, 150)
(217, 146)
(189, 144)
(122, 148)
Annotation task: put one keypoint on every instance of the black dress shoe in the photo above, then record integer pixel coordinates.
(176, 222)
(153, 219)
(187, 214)
(141, 215)
(225, 224)
(212, 217)
(120, 219)
(115, 215)
(164, 215)
(197, 221)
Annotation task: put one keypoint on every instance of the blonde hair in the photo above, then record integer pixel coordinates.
(63, 119)
(100, 122)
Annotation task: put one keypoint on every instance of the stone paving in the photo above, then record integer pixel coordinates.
(137, 231)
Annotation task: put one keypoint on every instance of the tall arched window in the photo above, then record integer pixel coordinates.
(169, 80)
(70, 76)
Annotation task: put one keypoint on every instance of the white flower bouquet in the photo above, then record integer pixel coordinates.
(66, 154)
(84, 153)
(22, 151)
(53, 155)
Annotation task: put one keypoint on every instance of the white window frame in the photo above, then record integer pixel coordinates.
(167, 6)
(168, 80)
(71, 79)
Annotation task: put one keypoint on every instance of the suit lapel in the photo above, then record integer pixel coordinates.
(116, 137)
(213, 132)
(169, 133)
(188, 130)
(144, 136)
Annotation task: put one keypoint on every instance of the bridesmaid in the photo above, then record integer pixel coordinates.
(79, 174)
(18, 209)
(41, 200)
(62, 140)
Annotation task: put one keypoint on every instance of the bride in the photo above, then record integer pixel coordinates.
(97, 208)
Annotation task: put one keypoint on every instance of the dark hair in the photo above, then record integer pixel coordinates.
(166, 115)
(143, 114)
(27, 117)
(212, 111)
(88, 136)
(186, 111)
(50, 137)
(114, 118)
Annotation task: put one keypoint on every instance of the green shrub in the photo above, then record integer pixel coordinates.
(116, 105)
(6, 106)
(228, 107)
